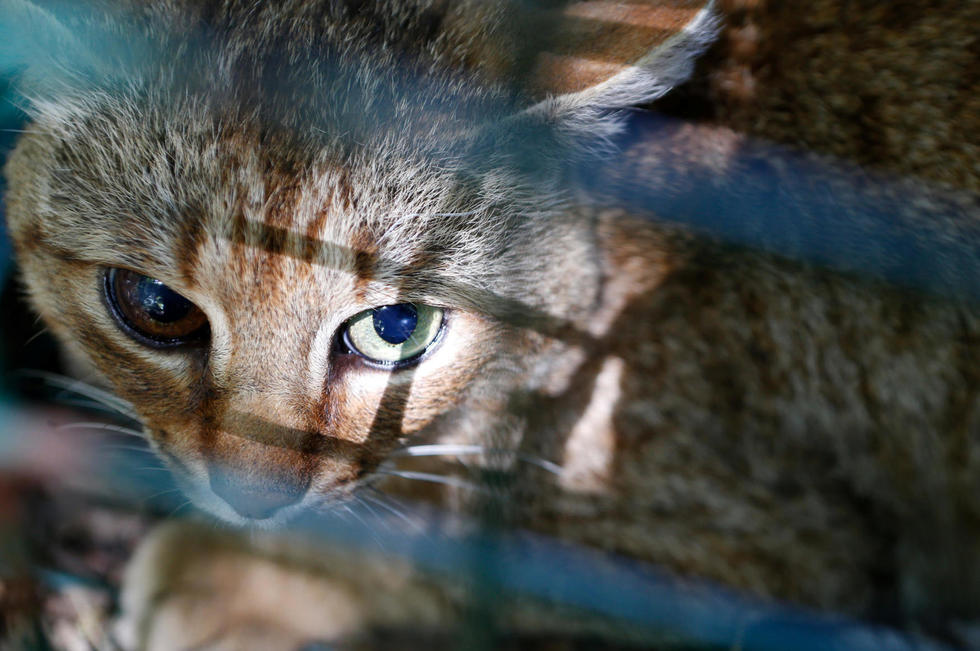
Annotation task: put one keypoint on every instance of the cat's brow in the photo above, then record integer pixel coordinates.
(282, 241)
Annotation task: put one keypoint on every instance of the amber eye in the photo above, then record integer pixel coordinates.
(151, 312)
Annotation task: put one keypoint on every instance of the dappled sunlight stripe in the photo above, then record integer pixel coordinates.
(281, 241)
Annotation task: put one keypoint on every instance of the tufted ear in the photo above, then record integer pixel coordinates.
(620, 52)
(602, 56)
(652, 48)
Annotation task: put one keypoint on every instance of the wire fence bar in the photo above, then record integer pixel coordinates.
(622, 589)
(639, 596)
(799, 205)
(796, 204)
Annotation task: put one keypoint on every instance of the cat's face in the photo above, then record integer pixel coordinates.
(285, 289)
(283, 383)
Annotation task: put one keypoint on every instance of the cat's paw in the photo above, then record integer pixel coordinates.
(194, 586)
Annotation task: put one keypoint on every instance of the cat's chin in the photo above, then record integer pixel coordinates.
(221, 511)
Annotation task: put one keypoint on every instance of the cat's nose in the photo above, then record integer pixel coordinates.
(256, 498)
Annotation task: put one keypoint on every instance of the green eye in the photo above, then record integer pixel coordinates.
(392, 335)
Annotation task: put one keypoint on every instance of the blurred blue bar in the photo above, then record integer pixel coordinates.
(908, 232)
(643, 599)
(11, 119)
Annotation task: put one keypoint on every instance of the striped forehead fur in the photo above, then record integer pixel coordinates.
(140, 177)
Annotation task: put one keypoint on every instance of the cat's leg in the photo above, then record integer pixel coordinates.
(196, 586)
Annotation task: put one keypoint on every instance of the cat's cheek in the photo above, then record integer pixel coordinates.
(71, 306)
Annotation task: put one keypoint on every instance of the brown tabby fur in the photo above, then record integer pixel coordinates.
(791, 432)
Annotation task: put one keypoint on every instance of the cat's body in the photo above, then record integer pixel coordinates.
(734, 416)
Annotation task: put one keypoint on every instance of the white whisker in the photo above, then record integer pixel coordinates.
(369, 528)
(84, 389)
(108, 405)
(387, 503)
(147, 500)
(89, 405)
(354, 515)
(359, 499)
(464, 450)
(107, 427)
(35, 336)
(456, 482)
(346, 517)
(179, 507)
(127, 448)
(377, 519)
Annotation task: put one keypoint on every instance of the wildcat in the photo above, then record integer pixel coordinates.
(298, 236)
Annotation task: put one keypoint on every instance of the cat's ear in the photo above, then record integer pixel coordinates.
(53, 48)
(619, 52)
(605, 55)
(596, 58)
(36, 40)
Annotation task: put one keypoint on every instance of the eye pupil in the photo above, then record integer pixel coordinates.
(151, 312)
(395, 323)
(393, 336)
(160, 302)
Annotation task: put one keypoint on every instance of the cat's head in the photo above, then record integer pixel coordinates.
(293, 235)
